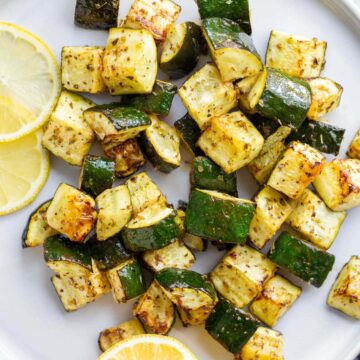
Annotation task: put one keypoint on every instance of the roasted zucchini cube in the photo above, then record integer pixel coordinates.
(339, 184)
(130, 62)
(325, 97)
(274, 146)
(108, 254)
(194, 242)
(161, 144)
(128, 157)
(126, 281)
(189, 133)
(296, 170)
(111, 336)
(272, 209)
(309, 264)
(231, 326)
(97, 14)
(240, 141)
(354, 148)
(158, 102)
(345, 292)
(276, 298)
(296, 55)
(81, 68)
(114, 211)
(37, 229)
(222, 216)
(72, 213)
(155, 310)
(67, 134)
(207, 175)
(318, 224)
(205, 95)
(231, 48)
(241, 275)
(175, 255)
(114, 123)
(265, 344)
(237, 10)
(193, 295)
(155, 16)
(97, 175)
(144, 193)
(152, 229)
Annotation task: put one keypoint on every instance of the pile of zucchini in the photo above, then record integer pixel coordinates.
(241, 112)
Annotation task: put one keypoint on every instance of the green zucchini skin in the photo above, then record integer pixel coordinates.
(236, 10)
(207, 175)
(59, 248)
(153, 237)
(285, 99)
(321, 136)
(230, 326)
(310, 265)
(132, 280)
(265, 126)
(189, 133)
(108, 254)
(216, 219)
(187, 57)
(97, 175)
(156, 160)
(122, 117)
(96, 14)
(158, 102)
(225, 33)
(180, 278)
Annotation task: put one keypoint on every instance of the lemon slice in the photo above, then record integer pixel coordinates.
(29, 82)
(148, 347)
(24, 168)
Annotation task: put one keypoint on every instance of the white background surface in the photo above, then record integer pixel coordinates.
(33, 324)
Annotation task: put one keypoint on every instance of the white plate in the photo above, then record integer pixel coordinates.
(33, 324)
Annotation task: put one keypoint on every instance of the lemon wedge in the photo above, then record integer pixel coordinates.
(29, 82)
(148, 347)
(24, 168)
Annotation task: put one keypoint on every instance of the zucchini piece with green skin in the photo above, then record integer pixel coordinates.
(115, 211)
(97, 14)
(344, 294)
(161, 144)
(310, 265)
(155, 310)
(262, 166)
(265, 126)
(236, 10)
(231, 326)
(154, 228)
(193, 295)
(209, 176)
(66, 257)
(126, 281)
(181, 50)
(37, 229)
(284, 98)
(97, 174)
(320, 135)
(189, 133)
(157, 102)
(114, 123)
(175, 255)
(111, 336)
(108, 254)
(231, 48)
(222, 216)
(72, 213)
